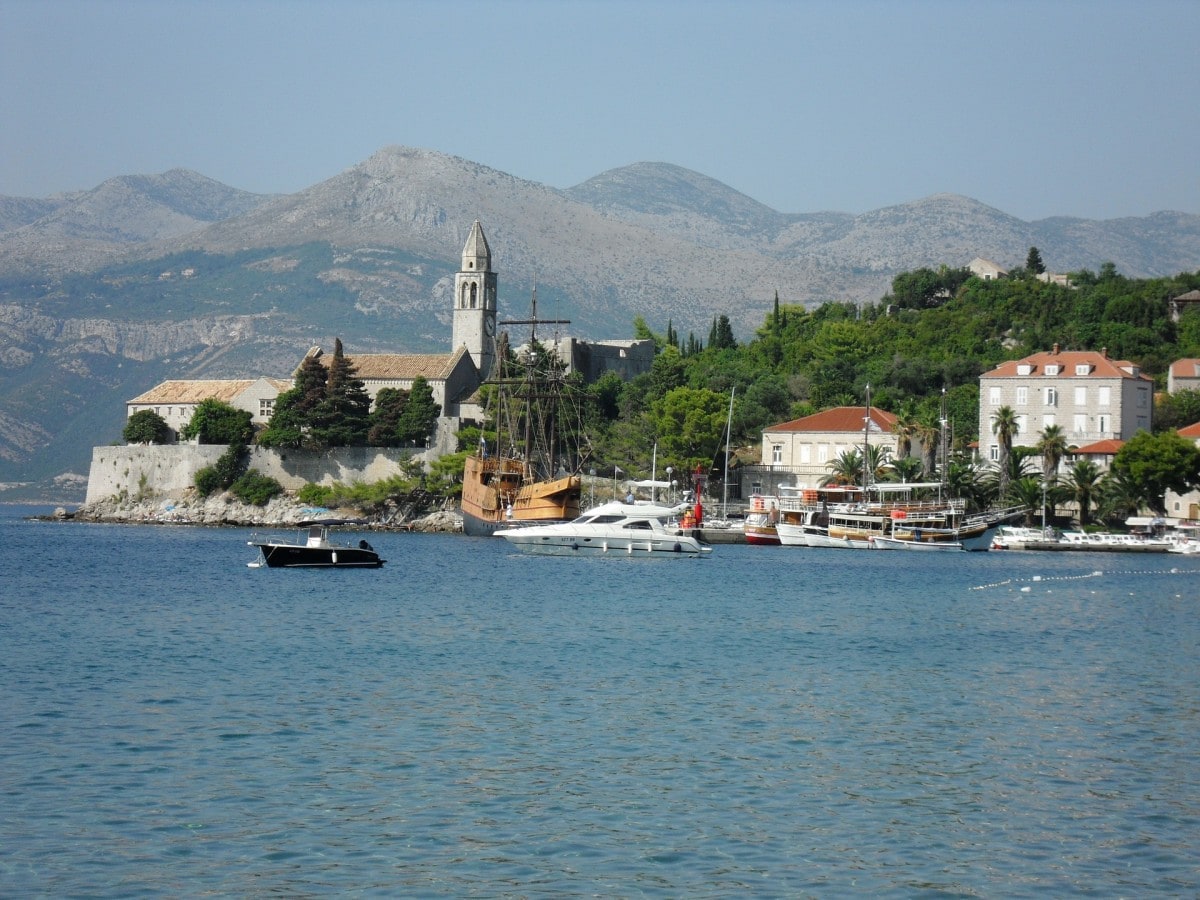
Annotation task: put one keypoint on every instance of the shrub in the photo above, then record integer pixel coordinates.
(256, 488)
(315, 494)
(208, 481)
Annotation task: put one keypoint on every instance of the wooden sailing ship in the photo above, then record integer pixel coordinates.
(526, 469)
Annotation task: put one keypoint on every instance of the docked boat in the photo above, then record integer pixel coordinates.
(970, 535)
(528, 473)
(314, 549)
(633, 529)
(1022, 537)
(760, 524)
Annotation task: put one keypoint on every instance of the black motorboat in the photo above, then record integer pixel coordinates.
(315, 550)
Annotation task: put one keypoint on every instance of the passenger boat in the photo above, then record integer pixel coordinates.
(314, 549)
(760, 524)
(529, 472)
(632, 529)
(911, 535)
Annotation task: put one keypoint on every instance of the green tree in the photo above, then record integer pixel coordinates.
(420, 414)
(290, 422)
(385, 417)
(1083, 480)
(1053, 446)
(1005, 426)
(845, 468)
(343, 417)
(216, 422)
(1033, 262)
(1157, 463)
(1177, 410)
(688, 424)
(1029, 492)
(146, 427)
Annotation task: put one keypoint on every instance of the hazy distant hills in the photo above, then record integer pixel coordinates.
(104, 292)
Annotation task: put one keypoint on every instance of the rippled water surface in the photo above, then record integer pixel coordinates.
(469, 722)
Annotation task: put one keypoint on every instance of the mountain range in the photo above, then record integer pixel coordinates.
(105, 292)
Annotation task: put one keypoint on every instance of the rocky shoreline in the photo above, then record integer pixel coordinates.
(226, 510)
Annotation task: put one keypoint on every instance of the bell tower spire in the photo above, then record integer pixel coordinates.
(475, 302)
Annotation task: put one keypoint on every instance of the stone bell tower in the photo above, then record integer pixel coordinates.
(475, 302)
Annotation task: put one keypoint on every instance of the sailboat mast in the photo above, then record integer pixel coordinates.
(725, 480)
(866, 442)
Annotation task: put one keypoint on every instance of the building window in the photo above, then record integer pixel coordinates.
(1048, 421)
(776, 454)
(265, 408)
(1051, 396)
(805, 454)
(1081, 396)
(823, 454)
(994, 396)
(994, 453)
(1080, 424)
(1022, 424)
(1103, 396)
(1102, 422)
(1022, 396)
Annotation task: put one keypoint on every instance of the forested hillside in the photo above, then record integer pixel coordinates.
(935, 330)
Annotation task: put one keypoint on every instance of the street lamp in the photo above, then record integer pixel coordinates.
(671, 489)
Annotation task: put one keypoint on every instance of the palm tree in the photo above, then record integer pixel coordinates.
(1117, 498)
(929, 432)
(1005, 427)
(846, 468)
(1028, 492)
(907, 468)
(905, 430)
(1083, 481)
(1053, 446)
(965, 480)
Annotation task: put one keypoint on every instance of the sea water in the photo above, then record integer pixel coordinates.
(467, 721)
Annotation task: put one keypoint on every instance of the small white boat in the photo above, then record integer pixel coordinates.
(632, 529)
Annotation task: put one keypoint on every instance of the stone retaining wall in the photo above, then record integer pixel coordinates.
(169, 470)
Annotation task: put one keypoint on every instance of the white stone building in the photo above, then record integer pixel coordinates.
(1092, 398)
(176, 401)
(807, 446)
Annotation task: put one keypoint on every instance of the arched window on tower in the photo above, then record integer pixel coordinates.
(462, 298)
(474, 294)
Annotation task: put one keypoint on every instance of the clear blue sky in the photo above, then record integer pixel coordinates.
(1087, 108)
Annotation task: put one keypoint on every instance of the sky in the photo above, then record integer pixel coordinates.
(1082, 108)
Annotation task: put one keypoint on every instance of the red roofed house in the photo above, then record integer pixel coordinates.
(1184, 375)
(1094, 400)
(806, 446)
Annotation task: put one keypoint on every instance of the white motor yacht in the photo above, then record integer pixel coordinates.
(633, 529)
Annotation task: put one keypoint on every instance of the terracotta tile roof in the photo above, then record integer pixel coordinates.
(839, 419)
(196, 391)
(1186, 368)
(1100, 365)
(1190, 431)
(1107, 447)
(400, 366)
